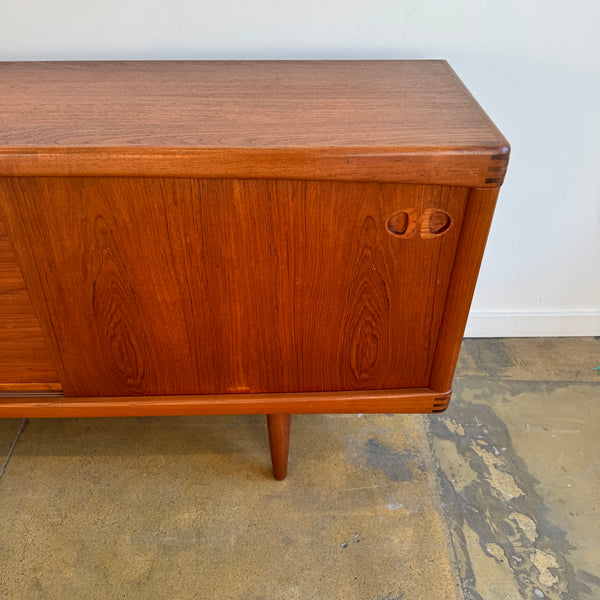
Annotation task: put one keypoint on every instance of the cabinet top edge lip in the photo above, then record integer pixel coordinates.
(218, 62)
(270, 104)
(495, 150)
(483, 166)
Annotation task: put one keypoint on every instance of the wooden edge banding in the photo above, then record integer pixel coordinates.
(469, 253)
(467, 166)
(414, 400)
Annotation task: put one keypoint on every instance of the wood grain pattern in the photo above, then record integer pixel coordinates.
(180, 286)
(401, 121)
(417, 400)
(24, 356)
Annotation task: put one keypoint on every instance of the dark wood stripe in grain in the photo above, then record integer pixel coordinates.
(31, 387)
(27, 395)
(497, 169)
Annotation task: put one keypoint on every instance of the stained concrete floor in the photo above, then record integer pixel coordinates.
(496, 499)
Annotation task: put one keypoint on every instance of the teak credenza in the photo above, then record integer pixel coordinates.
(224, 237)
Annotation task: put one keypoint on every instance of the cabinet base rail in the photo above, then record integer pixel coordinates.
(410, 400)
(277, 407)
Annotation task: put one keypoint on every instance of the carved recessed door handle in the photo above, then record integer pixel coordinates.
(432, 223)
(435, 222)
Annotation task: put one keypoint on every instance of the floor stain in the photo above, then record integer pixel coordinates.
(491, 356)
(497, 552)
(396, 465)
(526, 525)
(502, 507)
(499, 479)
(547, 566)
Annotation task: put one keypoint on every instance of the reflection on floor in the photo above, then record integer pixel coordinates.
(496, 499)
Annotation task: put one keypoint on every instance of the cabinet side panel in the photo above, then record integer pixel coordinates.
(469, 254)
(198, 286)
(24, 356)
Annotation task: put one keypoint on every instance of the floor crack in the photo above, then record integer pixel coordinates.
(13, 446)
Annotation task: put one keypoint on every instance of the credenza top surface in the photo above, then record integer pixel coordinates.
(366, 108)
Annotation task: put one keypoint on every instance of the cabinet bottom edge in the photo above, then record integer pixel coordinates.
(53, 404)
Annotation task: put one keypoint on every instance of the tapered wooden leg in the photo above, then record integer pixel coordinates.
(279, 441)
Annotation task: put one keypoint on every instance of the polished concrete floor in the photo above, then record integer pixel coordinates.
(496, 499)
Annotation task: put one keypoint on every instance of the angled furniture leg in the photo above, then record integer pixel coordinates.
(279, 442)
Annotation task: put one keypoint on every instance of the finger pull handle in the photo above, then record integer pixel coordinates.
(403, 223)
(433, 223)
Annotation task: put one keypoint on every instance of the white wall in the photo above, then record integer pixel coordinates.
(534, 65)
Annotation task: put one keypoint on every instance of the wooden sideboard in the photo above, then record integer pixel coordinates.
(276, 237)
